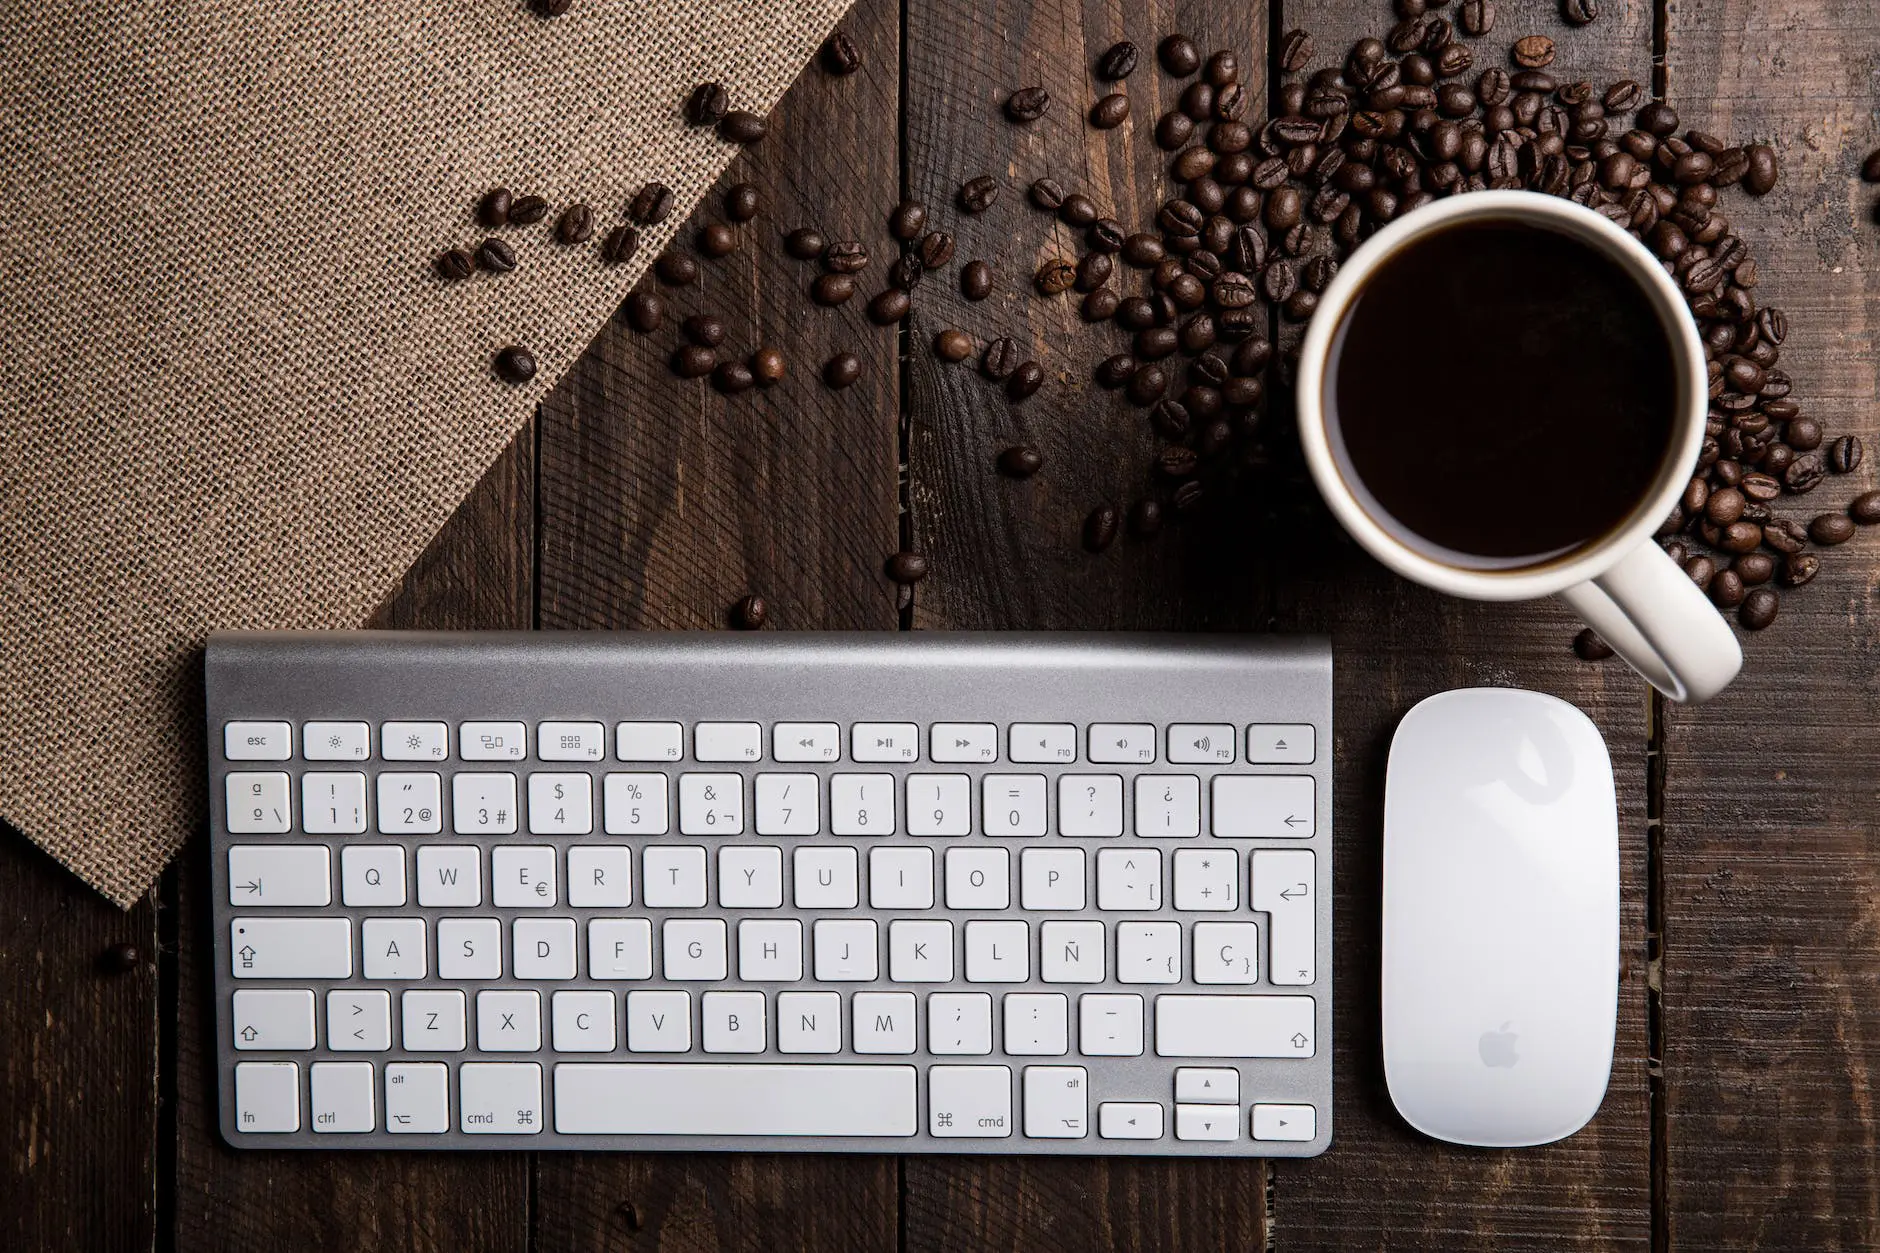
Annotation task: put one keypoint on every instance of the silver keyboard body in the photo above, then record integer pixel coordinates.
(843, 679)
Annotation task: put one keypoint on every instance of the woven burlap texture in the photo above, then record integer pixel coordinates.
(232, 393)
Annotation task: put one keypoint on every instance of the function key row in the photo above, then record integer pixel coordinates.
(1118, 743)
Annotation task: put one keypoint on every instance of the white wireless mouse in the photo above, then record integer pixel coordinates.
(1501, 918)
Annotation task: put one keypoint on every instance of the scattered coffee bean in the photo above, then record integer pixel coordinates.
(888, 307)
(715, 240)
(1027, 104)
(1078, 210)
(1024, 381)
(1020, 461)
(455, 264)
(1116, 370)
(1829, 529)
(741, 202)
(768, 367)
(952, 345)
(842, 370)
(935, 249)
(1870, 168)
(1000, 358)
(1187, 496)
(651, 205)
(804, 243)
(576, 225)
(1110, 112)
(1055, 276)
(516, 364)
(1118, 63)
(832, 289)
(750, 614)
(692, 361)
(676, 269)
(1295, 51)
(1701, 570)
(1579, 12)
(1107, 235)
(977, 194)
(1865, 508)
(845, 257)
(1754, 568)
(1590, 647)
(840, 55)
(1759, 178)
(707, 104)
(704, 329)
(1046, 194)
(645, 311)
(1099, 304)
(1173, 130)
(907, 220)
(527, 210)
(1145, 518)
(1799, 568)
(742, 127)
(495, 257)
(1759, 609)
(1100, 526)
(1533, 52)
(1476, 18)
(1785, 535)
(733, 377)
(1726, 589)
(906, 271)
(493, 209)
(1178, 55)
(1844, 454)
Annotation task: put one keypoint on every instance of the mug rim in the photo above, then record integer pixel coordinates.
(1587, 561)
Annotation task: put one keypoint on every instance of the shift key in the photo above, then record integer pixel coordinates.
(1235, 1026)
(291, 948)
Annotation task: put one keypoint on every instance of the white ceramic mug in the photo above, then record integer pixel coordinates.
(1623, 584)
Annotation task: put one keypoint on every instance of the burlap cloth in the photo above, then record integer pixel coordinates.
(231, 392)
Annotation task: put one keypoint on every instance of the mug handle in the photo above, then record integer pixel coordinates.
(1654, 617)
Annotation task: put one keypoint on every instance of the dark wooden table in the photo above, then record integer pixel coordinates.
(1743, 1110)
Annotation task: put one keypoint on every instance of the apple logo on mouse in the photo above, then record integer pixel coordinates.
(1497, 1047)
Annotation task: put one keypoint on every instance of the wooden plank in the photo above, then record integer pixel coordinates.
(78, 1060)
(475, 575)
(664, 502)
(1772, 979)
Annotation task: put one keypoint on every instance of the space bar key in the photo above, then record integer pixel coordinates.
(734, 1100)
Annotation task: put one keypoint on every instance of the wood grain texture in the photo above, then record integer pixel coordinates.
(475, 575)
(1772, 831)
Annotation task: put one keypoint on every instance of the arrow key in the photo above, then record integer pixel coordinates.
(272, 1019)
(1129, 1120)
(1285, 1122)
(359, 1022)
(1207, 1122)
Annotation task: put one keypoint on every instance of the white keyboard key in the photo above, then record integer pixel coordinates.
(469, 948)
(1129, 879)
(1285, 887)
(979, 878)
(492, 741)
(257, 741)
(509, 1021)
(1013, 804)
(963, 742)
(561, 804)
(291, 948)
(359, 1020)
(1090, 805)
(1207, 1085)
(342, 1097)
(410, 803)
(695, 949)
(417, 1098)
(483, 804)
(1264, 806)
(570, 741)
(600, 876)
(1235, 1026)
(500, 1098)
(884, 741)
(267, 1096)
(846, 950)
(659, 1022)
(920, 950)
(1206, 1122)
(770, 950)
(1109, 1024)
(1285, 1122)
(649, 741)
(634, 804)
(959, 1024)
(392, 948)
(861, 804)
(583, 1022)
(1054, 742)
(1207, 879)
(729, 1099)
(333, 802)
(1127, 742)
(998, 951)
(620, 948)
(1051, 878)
(1071, 952)
(809, 1022)
(733, 1022)
(280, 874)
(336, 741)
(432, 1021)
(939, 804)
(1198, 743)
(542, 948)
(1282, 744)
(1168, 806)
(522, 876)
(711, 804)
(900, 878)
(805, 741)
(1057, 1102)
(727, 741)
(884, 1022)
(1148, 952)
(272, 1019)
(1037, 1024)
(258, 803)
(973, 1102)
(1227, 952)
(450, 875)
(750, 878)
(372, 874)
(826, 878)
(788, 804)
(414, 741)
(1129, 1120)
(673, 876)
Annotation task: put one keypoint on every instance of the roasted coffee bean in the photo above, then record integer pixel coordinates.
(1047, 194)
(1236, 325)
(527, 210)
(1099, 304)
(1844, 454)
(976, 280)
(1246, 251)
(516, 364)
(1145, 518)
(832, 289)
(842, 370)
(1170, 418)
(935, 250)
(1476, 17)
(1740, 537)
(1177, 462)
(1020, 461)
(1301, 305)
(495, 257)
(1230, 105)
(1725, 506)
(906, 271)
(651, 205)
(620, 245)
(1295, 51)
(1173, 130)
(493, 209)
(707, 104)
(1110, 112)
(1785, 535)
(1187, 496)
(1589, 647)
(1279, 281)
(1147, 385)
(768, 367)
(1187, 291)
(1155, 342)
(1118, 63)
(1658, 118)
(907, 220)
(1802, 434)
(1828, 529)
(845, 256)
(1196, 334)
(1027, 104)
(1865, 508)
(455, 264)
(1579, 12)
(703, 328)
(1055, 276)
(741, 202)
(733, 377)
(692, 361)
(1251, 357)
(1803, 474)
(1318, 273)
(1726, 589)
(715, 240)
(1107, 235)
(1233, 291)
(1192, 163)
(644, 311)
(1133, 313)
(1533, 52)
(1078, 210)
(1178, 55)
(750, 614)
(1100, 526)
(978, 194)
(952, 345)
(806, 243)
(1180, 219)
(1114, 371)
(1000, 358)
(1754, 568)
(1284, 209)
(1799, 568)
(575, 226)
(889, 307)
(1222, 69)
(1025, 380)
(1760, 488)
(1759, 175)
(840, 55)
(675, 269)
(1701, 570)
(1759, 609)
(1093, 271)
(742, 127)
(906, 568)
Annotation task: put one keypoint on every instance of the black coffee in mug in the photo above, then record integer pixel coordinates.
(1500, 394)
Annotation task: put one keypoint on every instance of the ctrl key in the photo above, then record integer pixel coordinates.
(500, 1098)
(267, 1096)
(970, 1101)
